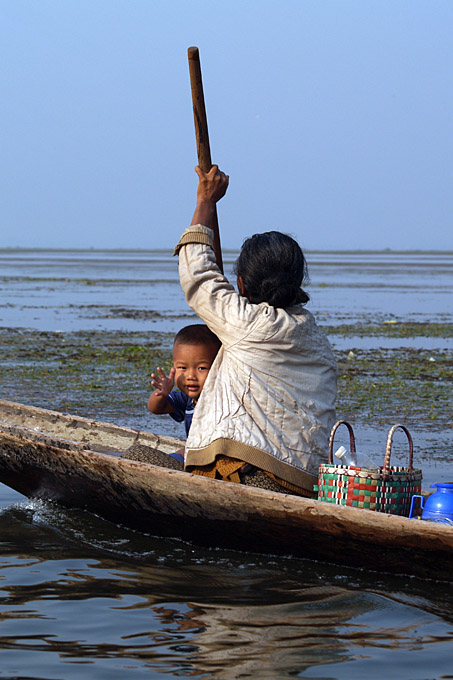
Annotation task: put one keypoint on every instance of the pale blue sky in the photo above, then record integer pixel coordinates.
(333, 119)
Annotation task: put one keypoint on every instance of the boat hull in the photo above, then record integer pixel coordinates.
(52, 456)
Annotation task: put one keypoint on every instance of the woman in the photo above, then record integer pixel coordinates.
(268, 402)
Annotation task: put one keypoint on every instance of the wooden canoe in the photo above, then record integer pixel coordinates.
(76, 462)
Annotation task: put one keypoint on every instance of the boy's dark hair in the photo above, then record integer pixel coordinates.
(197, 334)
(272, 267)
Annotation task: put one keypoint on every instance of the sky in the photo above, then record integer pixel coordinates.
(333, 119)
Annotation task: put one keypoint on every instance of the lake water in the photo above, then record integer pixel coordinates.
(63, 290)
(81, 597)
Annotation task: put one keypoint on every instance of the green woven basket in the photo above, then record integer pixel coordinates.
(388, 489)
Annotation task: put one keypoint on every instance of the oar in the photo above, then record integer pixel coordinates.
(202, 136)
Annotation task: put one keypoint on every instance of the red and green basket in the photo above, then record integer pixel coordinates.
(387, 489)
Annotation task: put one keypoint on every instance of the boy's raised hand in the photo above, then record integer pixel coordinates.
(162, 383)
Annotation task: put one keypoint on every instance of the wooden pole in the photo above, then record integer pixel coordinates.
(202, 136)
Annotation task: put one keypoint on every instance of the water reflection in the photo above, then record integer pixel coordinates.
(77, 590)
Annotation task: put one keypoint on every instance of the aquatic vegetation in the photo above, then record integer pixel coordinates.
(89, 371)
(392, 328)
(390, 384)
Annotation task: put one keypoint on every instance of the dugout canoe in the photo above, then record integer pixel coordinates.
(76, 462)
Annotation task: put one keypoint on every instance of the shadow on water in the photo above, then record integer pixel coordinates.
(82, 595)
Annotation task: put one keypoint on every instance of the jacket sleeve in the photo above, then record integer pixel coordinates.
(208, 292)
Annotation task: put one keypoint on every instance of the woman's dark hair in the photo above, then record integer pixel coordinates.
(272, 267)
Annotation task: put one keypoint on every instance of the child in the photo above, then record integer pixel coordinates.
(194, 350)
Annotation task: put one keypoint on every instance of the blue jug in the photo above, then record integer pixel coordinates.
(439, 506)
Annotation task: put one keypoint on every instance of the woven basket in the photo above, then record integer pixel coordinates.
(388, 489)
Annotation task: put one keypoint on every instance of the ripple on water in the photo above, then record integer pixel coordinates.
(84, 591)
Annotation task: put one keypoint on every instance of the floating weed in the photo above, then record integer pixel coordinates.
(93, 371)
(392, 328)
(400, 383)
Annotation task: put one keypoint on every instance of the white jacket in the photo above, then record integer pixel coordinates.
(269, 397)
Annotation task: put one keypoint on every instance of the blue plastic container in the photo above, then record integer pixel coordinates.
(439, 506)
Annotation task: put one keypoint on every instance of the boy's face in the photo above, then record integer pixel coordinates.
(192, 364)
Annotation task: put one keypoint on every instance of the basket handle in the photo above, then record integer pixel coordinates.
(388, 447)
(332, 434)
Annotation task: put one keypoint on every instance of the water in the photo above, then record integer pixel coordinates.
(81, 597)
(64, 290)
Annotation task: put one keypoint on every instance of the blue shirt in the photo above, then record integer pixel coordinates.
(183, 406)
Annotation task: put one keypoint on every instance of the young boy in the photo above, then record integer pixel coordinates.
(194, 350)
